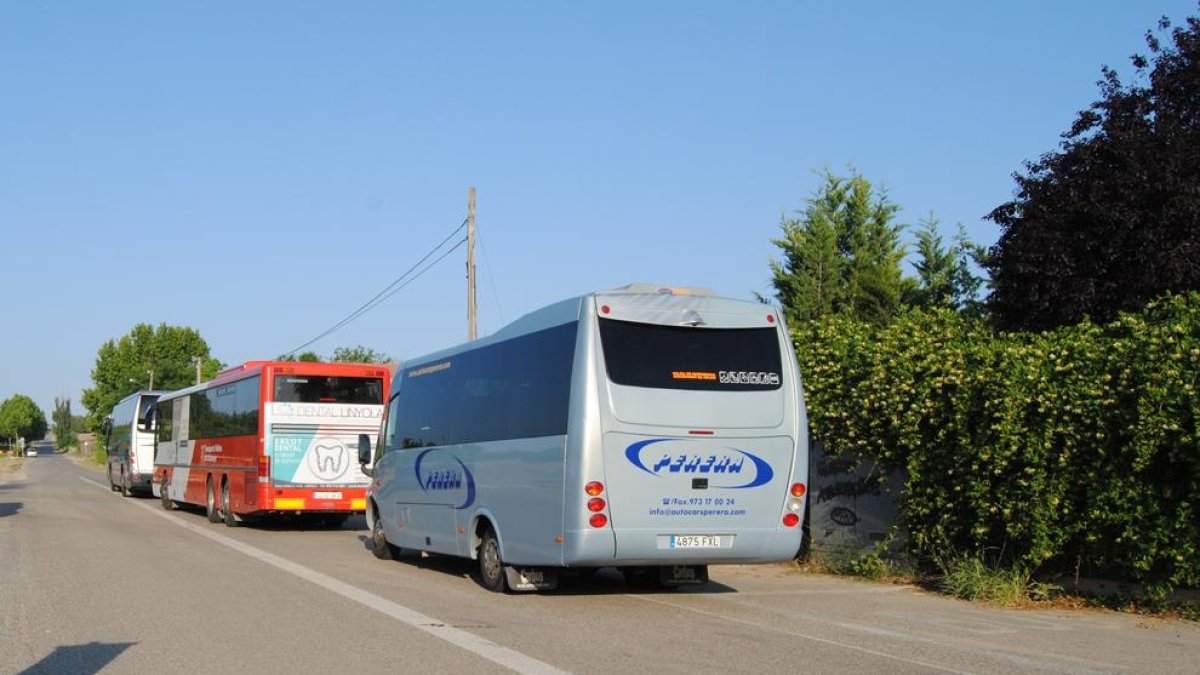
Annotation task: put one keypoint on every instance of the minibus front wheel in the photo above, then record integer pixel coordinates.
(491, 567)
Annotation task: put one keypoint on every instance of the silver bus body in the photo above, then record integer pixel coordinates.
(130, 443)
(639, 427)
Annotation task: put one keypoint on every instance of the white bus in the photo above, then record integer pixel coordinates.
(129, 442)
(657, 430)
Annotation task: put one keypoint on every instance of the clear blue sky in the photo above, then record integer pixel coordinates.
(258, 170)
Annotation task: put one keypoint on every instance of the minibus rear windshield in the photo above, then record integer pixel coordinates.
(328, 389)
(693, 358)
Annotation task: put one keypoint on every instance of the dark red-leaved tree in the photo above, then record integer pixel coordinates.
(1112, 219)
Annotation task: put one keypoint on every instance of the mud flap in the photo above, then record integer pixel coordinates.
(683, 575)
(531, 578)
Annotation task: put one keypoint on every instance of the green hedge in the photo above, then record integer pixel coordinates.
(1069, 451)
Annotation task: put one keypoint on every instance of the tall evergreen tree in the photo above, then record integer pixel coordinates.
(841, 255)
(945, 273)
(64, 432)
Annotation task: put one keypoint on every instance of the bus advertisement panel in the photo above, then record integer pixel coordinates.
(269, 438)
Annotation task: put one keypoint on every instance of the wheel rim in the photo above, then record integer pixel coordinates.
(377, 538)
(225, 499)
(211, 499)
(491, 560)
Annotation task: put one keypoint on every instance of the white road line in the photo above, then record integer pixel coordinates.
(509, 658)
(806, 636)
(882, 632)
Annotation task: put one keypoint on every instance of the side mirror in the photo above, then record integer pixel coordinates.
(364, 453)
(106, 427)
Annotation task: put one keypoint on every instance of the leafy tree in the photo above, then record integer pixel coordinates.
(124, 366)
(358, 354)
(841, 255)
(305, 357)
(20, 417)
(1112, 219)
(945, 273)
(64, 431)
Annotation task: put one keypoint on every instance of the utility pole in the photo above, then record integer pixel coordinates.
(151, 385)
(471, 264)
(197, 361)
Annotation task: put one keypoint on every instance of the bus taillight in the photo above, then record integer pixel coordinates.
(791, 520)
(264, 469)
(798, 489)
(596, 505)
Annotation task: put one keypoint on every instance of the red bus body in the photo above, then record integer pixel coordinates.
(270, 437)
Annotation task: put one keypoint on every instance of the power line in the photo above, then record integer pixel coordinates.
(487, 264)
(389, 290)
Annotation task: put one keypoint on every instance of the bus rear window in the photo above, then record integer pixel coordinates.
(328, 389)
(683, 357)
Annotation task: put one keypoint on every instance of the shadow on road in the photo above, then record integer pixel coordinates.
(604, 581)
(80, 659)
(9, 508)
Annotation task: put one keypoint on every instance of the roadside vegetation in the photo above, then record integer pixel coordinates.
(1039, 398)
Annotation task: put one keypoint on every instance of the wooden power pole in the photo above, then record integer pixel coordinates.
(471, 308)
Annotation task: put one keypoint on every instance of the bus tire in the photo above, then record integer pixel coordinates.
(111, 484)
(210, 503)
(380, 546)
(126, 488)
(227, 506)
(491, 567)
(167, 504)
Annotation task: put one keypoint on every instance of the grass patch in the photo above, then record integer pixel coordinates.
(972, 579)
(870, 565)
(11, 464)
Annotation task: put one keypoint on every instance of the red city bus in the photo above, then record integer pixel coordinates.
(269, 437)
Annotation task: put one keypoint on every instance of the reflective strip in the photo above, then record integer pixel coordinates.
(358, 505)
(297, 504)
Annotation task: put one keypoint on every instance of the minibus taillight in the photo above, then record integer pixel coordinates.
(798, 489)
(596, 505)
(264, 469)
(791, 519)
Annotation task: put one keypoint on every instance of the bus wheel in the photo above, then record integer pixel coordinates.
(166, 499)
(379, 543)
(126, 488)
(491, 567)
(210, 504)
(111, 484)
(226, 506)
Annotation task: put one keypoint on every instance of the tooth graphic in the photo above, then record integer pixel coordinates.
(329, 459)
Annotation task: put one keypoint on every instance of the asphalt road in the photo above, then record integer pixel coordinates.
(91, 581)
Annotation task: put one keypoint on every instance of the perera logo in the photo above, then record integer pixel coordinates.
(667, 461)
(438, 471)
(328, 459)
(746, 377)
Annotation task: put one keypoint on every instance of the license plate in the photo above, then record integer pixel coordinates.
(327, 495)
(695, 541)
